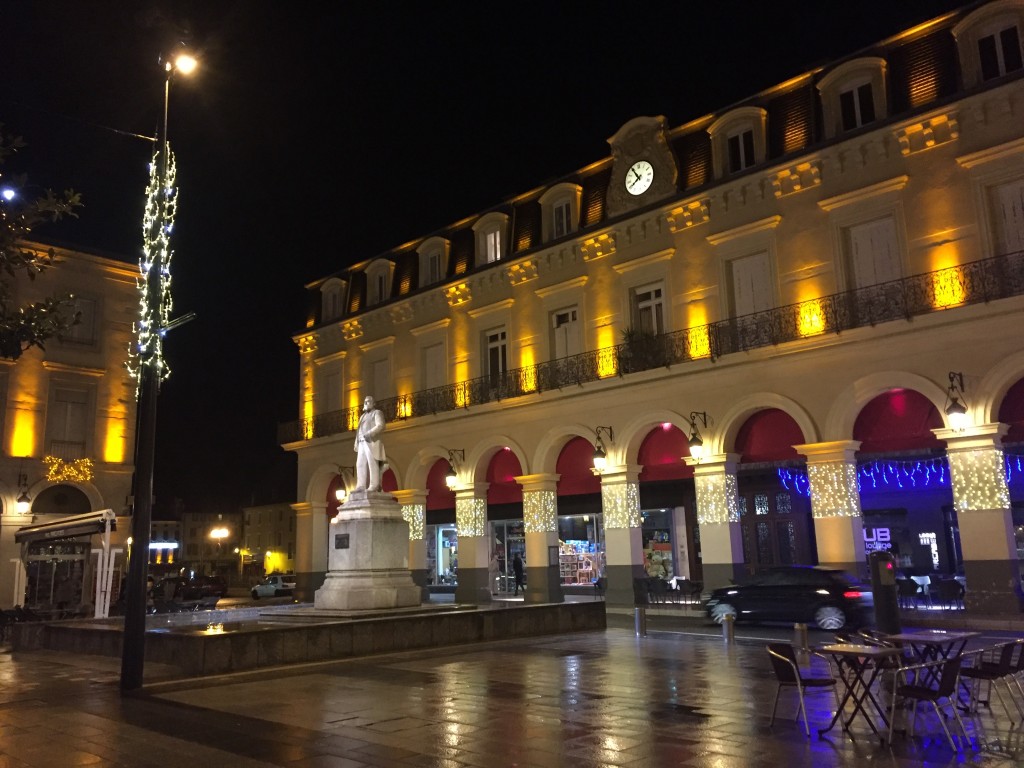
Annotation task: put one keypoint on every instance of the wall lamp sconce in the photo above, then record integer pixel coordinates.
(24, 501)
(696, 442)
(600, 452)
(956, 411)
(341, 492)
(456, 457)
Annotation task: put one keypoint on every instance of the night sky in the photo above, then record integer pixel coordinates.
(320, 134)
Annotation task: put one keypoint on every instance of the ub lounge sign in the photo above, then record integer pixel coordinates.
(877, 540)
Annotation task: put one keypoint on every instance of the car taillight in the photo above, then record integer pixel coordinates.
(853, 594)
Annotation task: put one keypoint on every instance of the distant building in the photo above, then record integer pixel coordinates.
(68, 429)
(268, 540)
(210, 543)
(165, 548)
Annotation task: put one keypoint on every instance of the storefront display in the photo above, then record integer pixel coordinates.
(579, 562)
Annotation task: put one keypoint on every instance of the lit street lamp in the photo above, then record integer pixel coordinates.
(152, 325)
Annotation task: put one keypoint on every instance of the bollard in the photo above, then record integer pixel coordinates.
(800, 636)
(728, 624)
(640, 621)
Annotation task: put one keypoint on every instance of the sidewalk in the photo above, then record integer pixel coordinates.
(606, 698)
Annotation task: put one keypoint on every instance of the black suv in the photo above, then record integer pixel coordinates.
(827, 598)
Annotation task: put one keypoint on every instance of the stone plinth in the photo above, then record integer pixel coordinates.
(368, 557)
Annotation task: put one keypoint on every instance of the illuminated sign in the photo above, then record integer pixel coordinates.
(877, 539)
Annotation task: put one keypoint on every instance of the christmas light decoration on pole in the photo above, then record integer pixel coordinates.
(148, 366)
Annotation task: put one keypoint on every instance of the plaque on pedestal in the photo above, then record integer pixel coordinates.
(368, 557)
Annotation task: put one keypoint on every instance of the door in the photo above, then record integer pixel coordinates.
(776, 528)
(874, 253)
(1008, 217)
(565, 325)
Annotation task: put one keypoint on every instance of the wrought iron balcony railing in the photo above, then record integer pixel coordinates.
(972, 283)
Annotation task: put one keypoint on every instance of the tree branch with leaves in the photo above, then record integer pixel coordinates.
(23, 326)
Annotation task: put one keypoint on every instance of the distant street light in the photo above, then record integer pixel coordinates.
(152, 325)
(218, 534)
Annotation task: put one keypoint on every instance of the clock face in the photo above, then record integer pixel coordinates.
(639, 177)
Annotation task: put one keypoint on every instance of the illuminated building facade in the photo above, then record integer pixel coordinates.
(68, 430)
(807, 277)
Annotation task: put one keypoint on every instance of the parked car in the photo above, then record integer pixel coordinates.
(827, 598)
(274, 585)
(180, 593)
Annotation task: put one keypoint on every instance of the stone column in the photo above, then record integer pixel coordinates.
(474, 544)
(718, 519)
(311, 533)
(540, 522)
(835, 504)
(624, 546)
(414, 512)
(977, 472)
(10, 552)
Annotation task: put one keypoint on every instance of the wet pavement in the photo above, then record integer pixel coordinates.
(608, 698)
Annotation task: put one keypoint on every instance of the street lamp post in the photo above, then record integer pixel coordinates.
(152, 325)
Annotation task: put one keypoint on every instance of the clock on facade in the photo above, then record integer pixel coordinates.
(639, 177)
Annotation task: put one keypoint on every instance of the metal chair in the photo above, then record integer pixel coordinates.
(788, 674)
(994, 673)
(908, 593)
(950, 593)
(945, 689)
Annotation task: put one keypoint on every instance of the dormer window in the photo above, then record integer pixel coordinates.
(433, 256)
(741, 150)
(853, 95)
(491, 231)
(738, 140)
(562, 215)
(999, 53)
(492, 245)
(378, 281)
(560, 208)
(857, 106)
(332, 296)
(989, 41)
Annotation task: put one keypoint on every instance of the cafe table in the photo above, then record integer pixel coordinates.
(859, 666)
(933, 645)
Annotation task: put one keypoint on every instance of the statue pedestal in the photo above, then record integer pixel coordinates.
(368, 557)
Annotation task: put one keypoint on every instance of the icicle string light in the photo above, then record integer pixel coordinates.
(900, 475)
(834, 491)
(980, 480)
(717, 498)
(540, 511)
(471, 516)
(620, 503)
(415, 515)
(155, 303)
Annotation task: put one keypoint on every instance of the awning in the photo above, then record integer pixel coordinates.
(68, 527)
